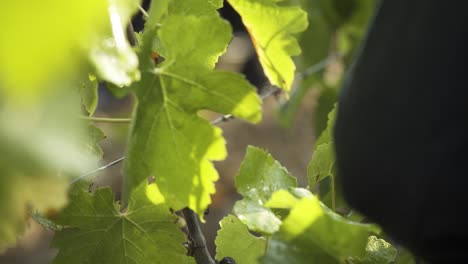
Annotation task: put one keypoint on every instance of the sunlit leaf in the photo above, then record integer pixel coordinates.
(258, 178)
(168, 139)
(271, 27)
(312, 233)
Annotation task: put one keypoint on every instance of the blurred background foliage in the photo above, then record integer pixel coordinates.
(44, 51)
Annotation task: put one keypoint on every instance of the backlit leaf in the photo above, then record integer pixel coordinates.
(312, 233)
(271, 27)
(168, 139)
(258, 178)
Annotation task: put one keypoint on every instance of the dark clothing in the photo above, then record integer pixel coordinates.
(402, 127)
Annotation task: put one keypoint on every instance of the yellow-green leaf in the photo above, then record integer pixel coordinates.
(168, 139)
(271, 27)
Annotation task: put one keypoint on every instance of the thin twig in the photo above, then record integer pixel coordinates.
(107, 120)
(196, 238)
(131, 35)
(108, 165)
(143, 11)
(318, 66)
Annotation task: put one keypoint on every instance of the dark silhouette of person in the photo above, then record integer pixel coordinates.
(402, 127)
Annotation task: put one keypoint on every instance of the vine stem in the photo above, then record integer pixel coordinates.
(333, 198)
(196, 238)
(107, 120)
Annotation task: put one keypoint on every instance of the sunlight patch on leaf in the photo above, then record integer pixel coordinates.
(258, 178)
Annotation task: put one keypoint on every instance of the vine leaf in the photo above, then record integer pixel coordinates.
(92, 145)
(321, 165)
(110, 52)
(98, 230)
(258, 178)
(88, 87)
(40, 146)
(312, 231)
(378, 251)
(168, 139)
(271, 27)
(327, 134)
(235, 241)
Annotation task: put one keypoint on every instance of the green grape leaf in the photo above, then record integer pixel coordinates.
(315, 45)
(168, 139)
(271, 27)
(325, 104)
(234, 240)
(41, 144)
(378, 251)
(323, 159)
(98, 230)
(95, 135)
(311, 231)
(258, 178)
(156, 12)
(111, 53)
(88, 87)
(327, 134)
(321, 165)
(57, 29)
